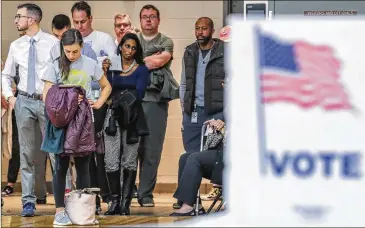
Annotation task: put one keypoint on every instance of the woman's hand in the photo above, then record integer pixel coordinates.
(95, 105)
(217, 124)
(106, 64)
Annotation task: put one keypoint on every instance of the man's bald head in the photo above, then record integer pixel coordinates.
(204, 29)
(208, 20)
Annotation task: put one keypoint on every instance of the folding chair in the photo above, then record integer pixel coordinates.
(217, 198)
(203, 131)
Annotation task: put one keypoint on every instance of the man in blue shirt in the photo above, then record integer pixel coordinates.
(60, 24)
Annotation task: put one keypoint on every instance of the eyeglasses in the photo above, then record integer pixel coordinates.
(121, 25)
(18, 16)
(151, 17)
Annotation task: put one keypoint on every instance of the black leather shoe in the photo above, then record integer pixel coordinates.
(114, 206)
(114, 198)
(190, 213)
(7, 191)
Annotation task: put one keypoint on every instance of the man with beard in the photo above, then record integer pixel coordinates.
(31, 53)
(201, 90)
(14, 162)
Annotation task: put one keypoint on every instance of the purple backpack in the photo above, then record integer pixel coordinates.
(62, 103)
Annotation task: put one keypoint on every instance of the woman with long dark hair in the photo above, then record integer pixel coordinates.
(125, 123)
(73, 68)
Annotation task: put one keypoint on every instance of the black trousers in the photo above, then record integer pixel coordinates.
(98, 174)
(97, 164)
(59, 176)
(192, 168)
(14, 162)
(150, 147)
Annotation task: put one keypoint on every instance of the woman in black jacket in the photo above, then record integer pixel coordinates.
(124, 123)
(207, 164)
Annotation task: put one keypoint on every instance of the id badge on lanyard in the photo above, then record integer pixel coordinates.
(194, 116)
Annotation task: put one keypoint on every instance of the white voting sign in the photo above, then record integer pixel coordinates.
(296, 123)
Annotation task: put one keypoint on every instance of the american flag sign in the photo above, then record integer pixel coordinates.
(300, 73)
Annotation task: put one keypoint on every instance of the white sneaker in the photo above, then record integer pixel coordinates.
(62, 219)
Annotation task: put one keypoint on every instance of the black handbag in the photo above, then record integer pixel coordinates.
(122, 105)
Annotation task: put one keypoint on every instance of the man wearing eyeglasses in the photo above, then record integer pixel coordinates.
(122, 24)
(14, 163)
(156, 110)
(30, 53)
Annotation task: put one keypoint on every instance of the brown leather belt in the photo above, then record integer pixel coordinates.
(34, 96)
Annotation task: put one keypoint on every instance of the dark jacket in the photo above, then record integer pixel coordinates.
(214, 74)
(76, 119)
(130, 115)
(79, 138)
(162, 80)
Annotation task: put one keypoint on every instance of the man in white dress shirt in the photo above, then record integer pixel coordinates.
(30, 53)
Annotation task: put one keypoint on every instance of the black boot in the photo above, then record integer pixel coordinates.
(114, 208)
(128, 184)
(114, 184)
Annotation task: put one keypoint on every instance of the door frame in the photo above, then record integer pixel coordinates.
(237, 7)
